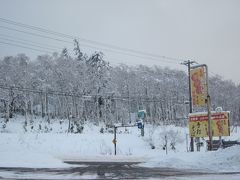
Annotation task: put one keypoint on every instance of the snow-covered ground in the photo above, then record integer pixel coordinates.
(40, 149)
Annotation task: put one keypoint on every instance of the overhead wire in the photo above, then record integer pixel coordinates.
(103, 46)
(86, 45)
(113, 47)
(79, 95)
(83, 39)
(27, 43)
(17, 45)
(34, 34)
(210, 72)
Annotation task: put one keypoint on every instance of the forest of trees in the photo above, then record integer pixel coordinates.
(87, 88)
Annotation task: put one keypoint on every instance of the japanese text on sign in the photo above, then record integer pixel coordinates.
(198, 124)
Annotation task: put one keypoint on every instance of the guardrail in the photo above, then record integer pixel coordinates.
(216, 144)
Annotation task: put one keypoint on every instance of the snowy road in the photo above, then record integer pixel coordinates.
(109, 170)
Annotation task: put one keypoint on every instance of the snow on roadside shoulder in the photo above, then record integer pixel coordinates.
(51, 149)
(223, 160)
(29, 159)
(226, 159)
(22, 150)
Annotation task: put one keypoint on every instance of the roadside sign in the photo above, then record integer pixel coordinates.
(141, 114)
(140, 125)
(114, 141)
(198, 86)
(198, 124)
(133, 117)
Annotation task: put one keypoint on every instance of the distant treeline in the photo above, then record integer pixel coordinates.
(87, 88)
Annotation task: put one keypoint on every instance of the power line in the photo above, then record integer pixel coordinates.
(26, 43)
(40, 91)
(34, 34)
(213, 74)
(83, 39)
(17, 45)
(185, 63)
(93, 47)
(43, 47)
(37, 28)
(81, 95)
(25, 40)
(89, 41)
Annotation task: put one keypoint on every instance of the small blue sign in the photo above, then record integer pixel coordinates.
(140, 125)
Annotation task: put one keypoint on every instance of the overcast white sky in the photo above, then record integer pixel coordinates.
(207, 31)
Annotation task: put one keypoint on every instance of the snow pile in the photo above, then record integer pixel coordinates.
(223, 160)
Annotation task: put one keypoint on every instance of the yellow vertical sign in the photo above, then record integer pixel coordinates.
(198, 86)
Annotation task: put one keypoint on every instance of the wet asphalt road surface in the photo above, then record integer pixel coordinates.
(103, 170)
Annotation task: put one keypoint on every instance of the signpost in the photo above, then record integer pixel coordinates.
(141, 116)
(140, 124)
(115, 140)
(198, 124)
(200, 93)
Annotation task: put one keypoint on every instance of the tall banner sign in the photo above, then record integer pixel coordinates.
(198, 86)
(198, 124)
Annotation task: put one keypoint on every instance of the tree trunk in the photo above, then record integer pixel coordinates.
(7, 111)
(42, 106)
(46, 105)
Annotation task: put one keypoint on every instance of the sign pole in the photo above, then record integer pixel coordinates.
(115, 140)
(190, 100)
(209, 122)
(209, 111)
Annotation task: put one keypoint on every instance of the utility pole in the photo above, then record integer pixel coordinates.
(188, 64)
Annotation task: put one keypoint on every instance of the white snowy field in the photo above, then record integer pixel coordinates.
(40, 149)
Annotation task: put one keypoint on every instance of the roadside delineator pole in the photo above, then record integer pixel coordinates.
(115, 140)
